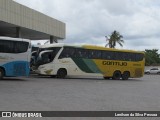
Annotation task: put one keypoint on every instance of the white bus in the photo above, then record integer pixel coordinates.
(15, 55)
(61, 60)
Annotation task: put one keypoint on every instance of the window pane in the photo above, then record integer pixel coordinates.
(67, 52)
(109, 55)
(6, 46)
(139, 56)
(94, 54)
(82, 53)
(21, 47)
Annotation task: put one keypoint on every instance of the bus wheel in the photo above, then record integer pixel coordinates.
(61, 73)
(116, 75)
(1, 73)
(125, 75)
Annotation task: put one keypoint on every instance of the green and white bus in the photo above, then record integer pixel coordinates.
(87, 60)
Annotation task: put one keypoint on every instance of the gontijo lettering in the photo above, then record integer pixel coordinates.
(114, 63)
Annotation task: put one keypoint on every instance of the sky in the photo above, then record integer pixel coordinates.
(89, 21)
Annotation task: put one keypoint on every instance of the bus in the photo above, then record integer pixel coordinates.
(15, 55)
(34, 55)
(34, 52)
(62, 60)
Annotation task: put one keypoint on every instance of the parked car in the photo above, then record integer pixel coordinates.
(153, 71)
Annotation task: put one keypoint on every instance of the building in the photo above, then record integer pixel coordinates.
(17, 20)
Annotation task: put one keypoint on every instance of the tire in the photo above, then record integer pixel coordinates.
(158, 73)
(62, 73)
(125, 75)
(116, 75)
(1, 73)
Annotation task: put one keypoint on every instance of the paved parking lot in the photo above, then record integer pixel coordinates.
(74, 94)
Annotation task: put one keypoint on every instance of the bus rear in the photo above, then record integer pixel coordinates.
(15, 55)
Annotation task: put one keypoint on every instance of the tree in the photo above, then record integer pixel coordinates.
(114, 38)
(152, 57)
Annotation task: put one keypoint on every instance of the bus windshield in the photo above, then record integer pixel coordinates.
(46, 55)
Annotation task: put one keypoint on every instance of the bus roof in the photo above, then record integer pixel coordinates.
(87, 47)
(111, 49)
(14, 39)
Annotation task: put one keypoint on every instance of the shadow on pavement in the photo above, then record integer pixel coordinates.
(13, 79)
(82, 78)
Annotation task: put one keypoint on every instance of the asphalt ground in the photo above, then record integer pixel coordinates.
(41, 93)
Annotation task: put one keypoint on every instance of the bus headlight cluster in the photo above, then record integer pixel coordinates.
(41, 67)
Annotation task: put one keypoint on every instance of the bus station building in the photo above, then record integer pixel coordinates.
(17, 20)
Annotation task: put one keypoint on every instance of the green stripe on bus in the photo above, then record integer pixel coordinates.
(82, 65)
(92, 65)
(86, 65)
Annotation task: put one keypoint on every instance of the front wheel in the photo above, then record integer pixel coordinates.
(1, 73)
(62, 73)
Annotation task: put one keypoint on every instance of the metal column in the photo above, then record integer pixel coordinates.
(53, 39)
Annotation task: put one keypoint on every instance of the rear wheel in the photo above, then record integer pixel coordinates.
(116, 75)
(1, 73)
(125, 75)
(62, 73)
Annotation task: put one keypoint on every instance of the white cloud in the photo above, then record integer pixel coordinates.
(88, 21)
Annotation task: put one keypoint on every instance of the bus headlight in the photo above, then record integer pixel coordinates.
(41, 67)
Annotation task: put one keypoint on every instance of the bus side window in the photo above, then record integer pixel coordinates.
(94, 54)
(110, 55)
(104, 56)
(139, 57)
(63, 54)
(131, 56)
(72, 52)
(124, 56)
(81, 53)
(91, 54)
(7, 46)
(20, 47)
(67, 52)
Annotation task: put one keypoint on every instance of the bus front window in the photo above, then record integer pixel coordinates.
(47, 56)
